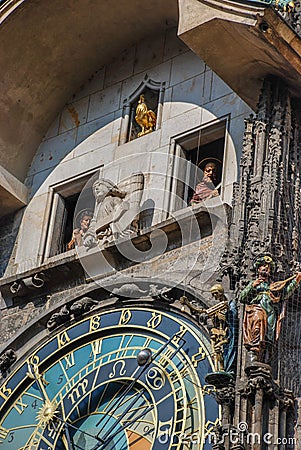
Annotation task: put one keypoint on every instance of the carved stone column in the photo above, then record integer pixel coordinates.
(225, 396)
(260, 388)
(286, 403)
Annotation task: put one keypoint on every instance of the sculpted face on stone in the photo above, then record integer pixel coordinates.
(101, 188)
(117, 209)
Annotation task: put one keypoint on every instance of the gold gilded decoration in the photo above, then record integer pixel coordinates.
(145, 117)
(219, 329)
(155, 320)
(69, 360)
(96, 348)
(3, 434)
(120, 371)
(47, 412)
(208, 389)
(33, 371)
(177, 338)
(63, 339)
(79, 391)
(209, 426)
(176, 380)
(125, 317)
(5, 392)
(20, 406)
(200, 356)
(95, 323)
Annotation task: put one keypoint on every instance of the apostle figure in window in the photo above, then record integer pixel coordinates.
(85, 218)
(206, 188)
(262, 320)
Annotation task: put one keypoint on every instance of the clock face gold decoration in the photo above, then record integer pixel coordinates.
(124, 379)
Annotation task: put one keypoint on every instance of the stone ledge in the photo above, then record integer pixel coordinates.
(13, 193)
(53, 271)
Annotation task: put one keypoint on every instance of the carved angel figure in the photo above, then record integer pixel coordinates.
(145, 117)
(117, 209)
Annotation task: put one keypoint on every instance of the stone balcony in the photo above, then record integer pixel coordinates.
(243, 42)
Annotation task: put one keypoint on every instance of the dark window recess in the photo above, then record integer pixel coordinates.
(67, 229)
(196, 149)
(151, 99)
(68, 205)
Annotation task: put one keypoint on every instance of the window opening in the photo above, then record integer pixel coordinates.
(142, 110)
(67, 228)
(71, 205)
(198, 149)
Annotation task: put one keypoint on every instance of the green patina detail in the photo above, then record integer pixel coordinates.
(282, 5)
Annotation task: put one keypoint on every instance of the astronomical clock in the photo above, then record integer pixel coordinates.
(122, 379)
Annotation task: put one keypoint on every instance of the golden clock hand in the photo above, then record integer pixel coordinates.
(34, 374)
(48, 410)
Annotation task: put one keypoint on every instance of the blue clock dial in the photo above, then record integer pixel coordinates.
(85, 388)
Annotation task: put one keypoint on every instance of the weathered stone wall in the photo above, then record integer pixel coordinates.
(173, 269)
(9, 226)
(85, 134)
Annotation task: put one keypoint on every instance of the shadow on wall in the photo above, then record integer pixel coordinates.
(9, 226)
(147, 213)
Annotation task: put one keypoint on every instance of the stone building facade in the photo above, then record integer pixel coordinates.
(222, 86)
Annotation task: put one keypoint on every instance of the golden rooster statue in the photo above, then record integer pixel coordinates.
(146, 118)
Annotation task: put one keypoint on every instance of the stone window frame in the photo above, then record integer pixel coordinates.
(147, 82)
(58, 194)
(217, 128)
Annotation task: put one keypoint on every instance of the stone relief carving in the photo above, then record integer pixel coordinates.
(36, 281)
(82, 306)
(58, 318)
(262, 220)
(129, 290)
(6, 360)
(117, 210)
(75, 310)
